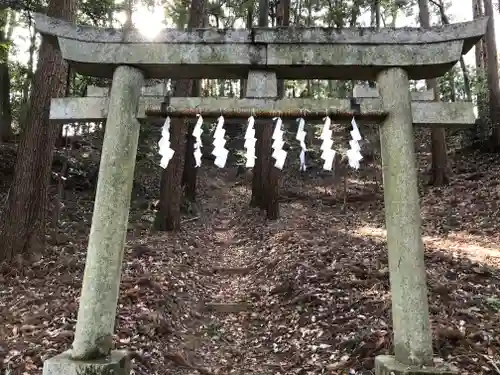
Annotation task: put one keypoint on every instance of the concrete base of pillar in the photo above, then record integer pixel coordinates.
(117, 363)
(387, 365)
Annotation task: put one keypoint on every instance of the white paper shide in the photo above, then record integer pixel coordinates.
(197, 144)
(220, 152)
(164, 144)
(278, 153)
(328, 155)
(301, 137)
(250, 142)
(353, 154)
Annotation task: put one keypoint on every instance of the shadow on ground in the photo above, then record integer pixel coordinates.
(308, 294)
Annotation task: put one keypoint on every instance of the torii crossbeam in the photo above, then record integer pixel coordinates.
(370, 109)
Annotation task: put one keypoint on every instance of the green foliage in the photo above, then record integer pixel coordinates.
(97, 12)
(17, 81)
(178, 11)
(4, 51)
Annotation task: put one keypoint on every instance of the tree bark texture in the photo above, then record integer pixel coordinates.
(492, 75)
(5, 103)
(23, 224)
(272, 191)
(257, 184)
(282, 19)
(190, 172)
(439, 163)
(168, 217)
(263, 135)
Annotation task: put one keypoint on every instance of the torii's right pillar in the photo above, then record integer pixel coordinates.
(410, 309)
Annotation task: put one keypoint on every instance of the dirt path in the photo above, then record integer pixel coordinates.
(234, 315)
(229, 313)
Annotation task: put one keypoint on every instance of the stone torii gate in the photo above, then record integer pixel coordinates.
(263, 55)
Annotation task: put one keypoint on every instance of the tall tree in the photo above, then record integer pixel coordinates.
(23, 223)
(282, 19)
(190, 172)
(263, 134)
(274, 174)
(470, 135)
(439, 162)
(480, 134)
(492, 74)
(6, 27)
(28, 76)
(480, 48)
(249, 13)
(168, 216)
(376, 13)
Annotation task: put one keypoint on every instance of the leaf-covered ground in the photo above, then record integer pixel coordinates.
(308, 294)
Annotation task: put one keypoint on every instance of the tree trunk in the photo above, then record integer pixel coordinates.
(463, 67)
(6, 132)
(263, 134)
(263, 13)
(492, 74)
(481, 132)
(257, 183)
(28, 79)
(271, 192)
(189, 175)
(5, 105)
(375, 22)
(439, 164)
(480, 48)
(190, 171)
(23, 224)
(376, 6)
(282, 19)
(249, 23)
(168, 217)
(467, 85)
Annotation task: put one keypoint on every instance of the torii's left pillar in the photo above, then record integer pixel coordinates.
(91, 352)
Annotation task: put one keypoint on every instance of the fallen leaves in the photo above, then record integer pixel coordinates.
(314, 284)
